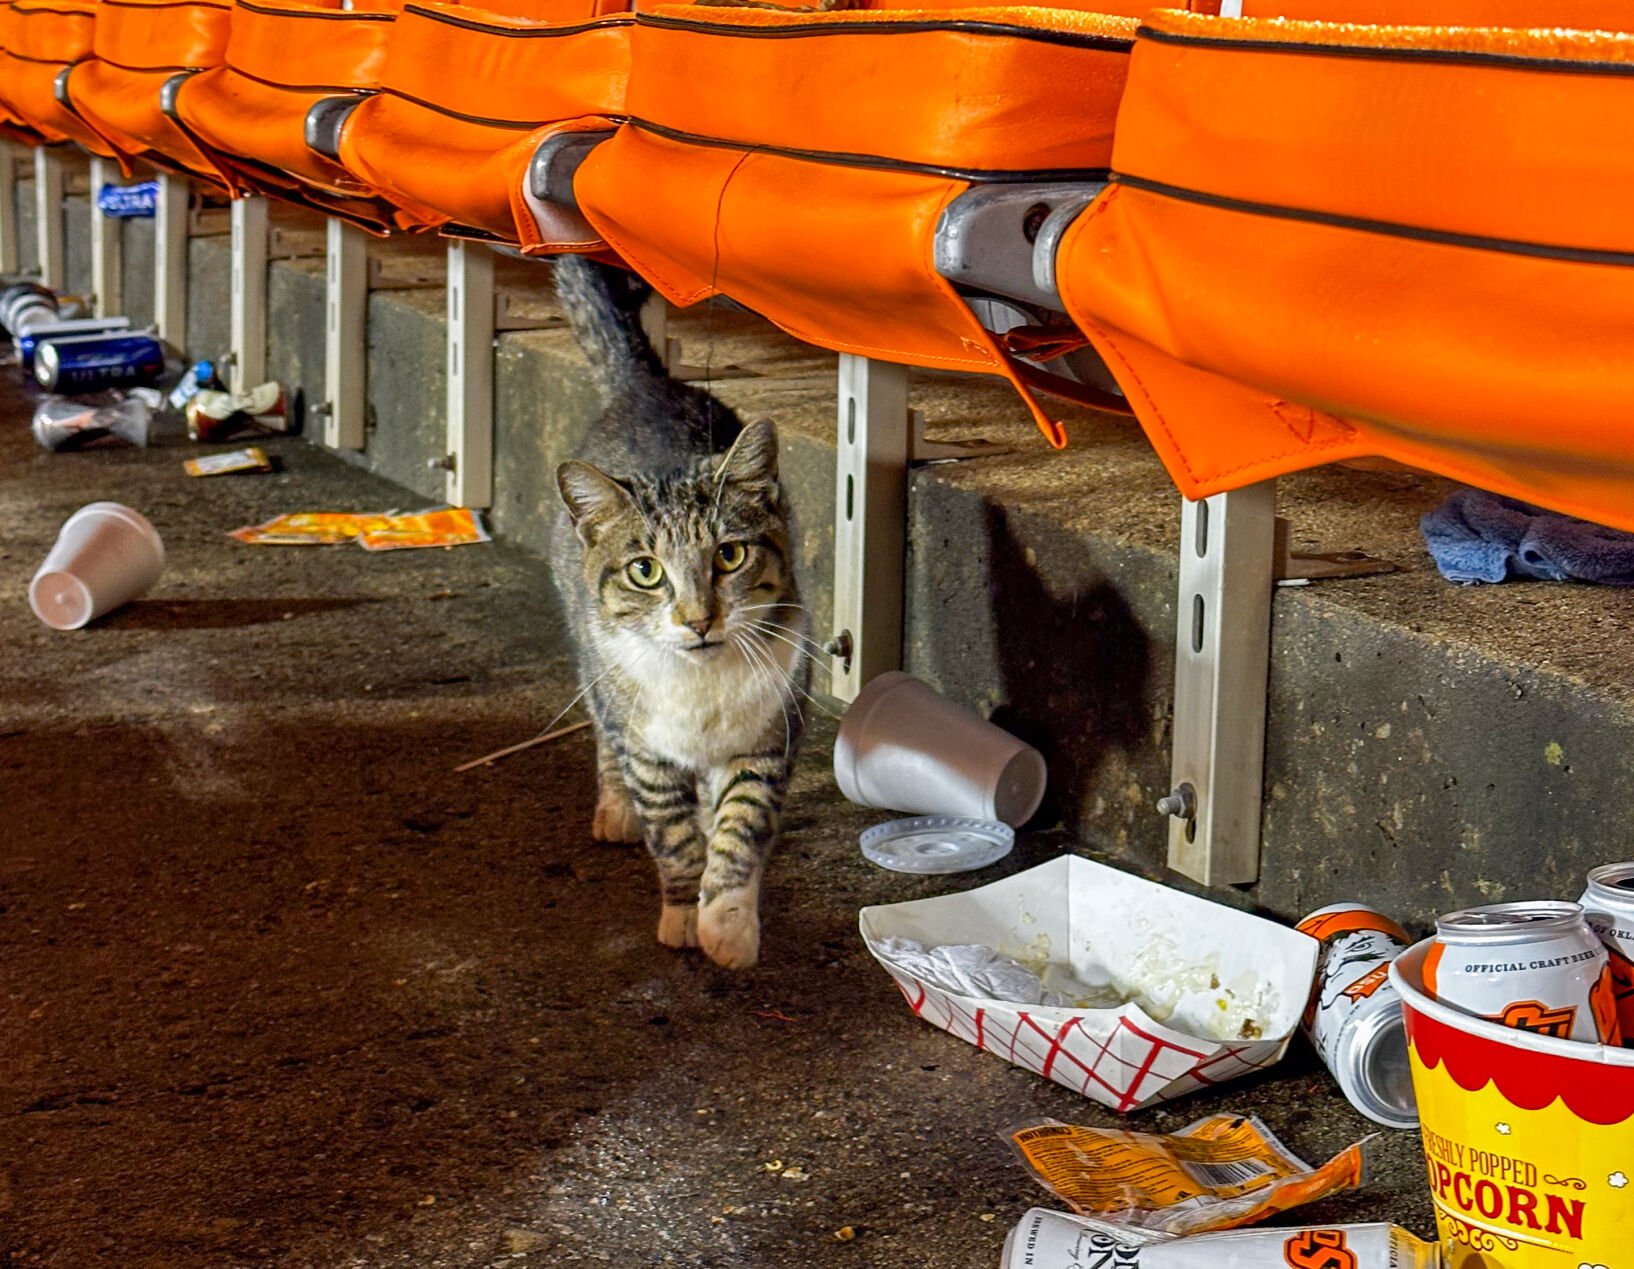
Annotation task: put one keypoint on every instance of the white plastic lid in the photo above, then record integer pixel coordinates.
(934, 844)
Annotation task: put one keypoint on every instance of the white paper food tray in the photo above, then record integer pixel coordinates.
(1100, 925)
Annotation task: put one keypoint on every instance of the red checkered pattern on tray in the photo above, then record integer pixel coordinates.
(1129, 1069)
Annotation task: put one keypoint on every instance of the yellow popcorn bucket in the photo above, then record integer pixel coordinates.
(1529, 1140)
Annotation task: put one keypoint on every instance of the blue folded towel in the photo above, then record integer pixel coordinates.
(1475, 536)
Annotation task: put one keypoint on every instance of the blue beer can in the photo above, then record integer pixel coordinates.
(127, 202)
(28, 343)
(88, 363)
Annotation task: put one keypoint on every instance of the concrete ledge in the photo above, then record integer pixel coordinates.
(1428, 746)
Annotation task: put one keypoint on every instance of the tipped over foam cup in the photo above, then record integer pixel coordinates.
(106, 555)
(903, 747)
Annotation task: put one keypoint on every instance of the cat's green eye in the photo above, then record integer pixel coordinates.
(730, 556)
(644, 572)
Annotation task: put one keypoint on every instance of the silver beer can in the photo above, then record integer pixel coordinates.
(1533, 966)
(1608, 907)
(1354, 1018)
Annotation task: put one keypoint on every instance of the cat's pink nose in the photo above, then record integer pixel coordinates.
(701, 628)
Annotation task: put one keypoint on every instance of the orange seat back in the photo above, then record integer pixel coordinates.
(799, 162)
(139, 46)
(249, 113)
(1428, 260)
(1584, 15)
(38, 40)
(466, 97)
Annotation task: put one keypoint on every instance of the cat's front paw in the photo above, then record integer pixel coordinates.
(678, 925)
(729, 930)
(616, 819)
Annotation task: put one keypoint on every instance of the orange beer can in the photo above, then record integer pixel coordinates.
(1608, 906)
(1533, 966)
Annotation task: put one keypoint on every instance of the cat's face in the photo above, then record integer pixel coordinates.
(688, 564)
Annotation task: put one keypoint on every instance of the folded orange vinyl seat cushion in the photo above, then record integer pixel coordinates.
(466, 96)
(12, 126)
(249, 113)
(799, 163)
(38, 38)
(1327, 241)
(1582, 15)
(139, 45)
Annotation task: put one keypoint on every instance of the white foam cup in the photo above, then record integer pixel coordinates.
(106, 555)
(903, 747)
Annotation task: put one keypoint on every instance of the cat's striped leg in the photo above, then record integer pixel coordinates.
(616, 819)
(666, 798)
(748, 797)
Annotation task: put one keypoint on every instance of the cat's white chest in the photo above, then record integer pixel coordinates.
(699, 716)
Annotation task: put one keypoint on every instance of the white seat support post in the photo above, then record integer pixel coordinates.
(1222, 664)
(470, 459)
(870, 521)
(107, 255)
(345, 334)
(48, 212)
(10, 238)
(170, 261)
(249, 293)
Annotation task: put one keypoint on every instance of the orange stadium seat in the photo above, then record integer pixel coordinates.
(40, 40)
(249, 113)
(143, 49)
(808, 179)
(466, 98)
(1427, 260)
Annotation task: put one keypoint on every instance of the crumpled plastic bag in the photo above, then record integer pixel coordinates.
(69, 423)
(972, 969)
(1221, 1172)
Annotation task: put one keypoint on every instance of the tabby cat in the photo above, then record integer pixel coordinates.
(673, 560)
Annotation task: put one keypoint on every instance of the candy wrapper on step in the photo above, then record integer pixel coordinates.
(1218, 1173)
(450, 526)
(1152, 993)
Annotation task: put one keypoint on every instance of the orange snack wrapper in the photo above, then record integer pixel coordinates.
(451, 526)
(1218, 1173)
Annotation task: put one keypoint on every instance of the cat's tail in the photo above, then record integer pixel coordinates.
(603, 306)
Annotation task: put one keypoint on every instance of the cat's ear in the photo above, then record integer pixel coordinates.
(752, 460)
(591, 495)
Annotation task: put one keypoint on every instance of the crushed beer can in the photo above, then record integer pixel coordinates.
(1608, 907)
(1054, 1240)
(219, 416)
(1354, 1019)
(128, 202)
(1533, 966)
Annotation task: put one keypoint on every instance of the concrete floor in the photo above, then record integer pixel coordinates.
(279, 988)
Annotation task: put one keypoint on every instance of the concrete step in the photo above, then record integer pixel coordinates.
(1429, 746)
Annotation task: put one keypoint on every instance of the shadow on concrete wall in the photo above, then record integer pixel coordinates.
(1074, 669)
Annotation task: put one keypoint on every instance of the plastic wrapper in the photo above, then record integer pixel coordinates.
(450, 526)
(233, 462)
(1218, 1173)
(67, 423)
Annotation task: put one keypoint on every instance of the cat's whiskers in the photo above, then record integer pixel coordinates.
(740, 640)
(788, 676)
(806, 645)
(582, 693)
